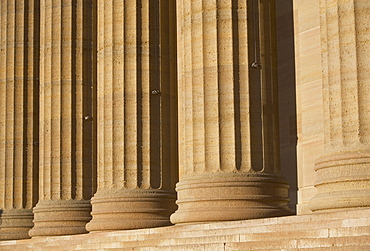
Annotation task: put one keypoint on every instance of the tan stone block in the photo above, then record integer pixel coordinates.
(264, 245)
(284, 234)
(334, 242)
(350, 231)
(308, 14)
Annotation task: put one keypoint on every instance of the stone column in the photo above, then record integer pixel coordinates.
(228, 126)
(19, 57)
(66, 129)
(342, 172)
(137, 106)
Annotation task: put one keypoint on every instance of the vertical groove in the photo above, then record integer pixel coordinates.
(185, 127)
(78, 81)
(270, 132)
(94, 57)
(117, 80)
(19, 84)
(211, 83)
(46, 73)
(255, 101)
(244, 84)
(361, 10)
(155, 81)
(130, 91)
(9, 171)
(187, 88)
(66, 97)
(55, 102)
(348, 71)
(173, 82)
(101, 119)
(237, 67)
(225, 85)
(33, 101)
(144, 134)
(87, 176)
(140, 15)
(166, 118)
(3, 49)
(334, 77)
(198, 92)
(325, 65)
(107, 91)
(168, 115)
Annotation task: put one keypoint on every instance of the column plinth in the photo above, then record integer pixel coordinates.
(342, 172)
(342, 181)
(137, 168)
(60, 217)
(15, 224)
(132, 209)
(239, 196)
(228, 113)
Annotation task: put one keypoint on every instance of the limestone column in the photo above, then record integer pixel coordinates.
(137, 152)
(342, 172)
(66, 126)
(228, 126)
(19, 45)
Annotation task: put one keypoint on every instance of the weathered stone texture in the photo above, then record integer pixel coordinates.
(308, 97)
(336, 231)
(343, 174)
(19, 56)
(66, 136)
(228, 124)
(137, 109)
(107, 105)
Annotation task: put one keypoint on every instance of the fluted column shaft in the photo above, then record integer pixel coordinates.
(137, 154)
(66, 107)
(343, 173)
(19, 44)
(228, 128)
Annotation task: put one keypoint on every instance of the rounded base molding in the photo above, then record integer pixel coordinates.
(131, 209)
(15, 224)
(62, 217)
(342, 182)
(231, 197)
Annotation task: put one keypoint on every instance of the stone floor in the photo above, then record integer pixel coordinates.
(346, 230)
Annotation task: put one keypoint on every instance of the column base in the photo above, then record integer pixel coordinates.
(228, 197)
(131, 209)
(15, 224)
(342, 182)
(62, 217)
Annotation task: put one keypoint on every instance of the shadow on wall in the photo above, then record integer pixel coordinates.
(287, 95)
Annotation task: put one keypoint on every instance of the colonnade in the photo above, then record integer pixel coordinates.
(114, 112)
